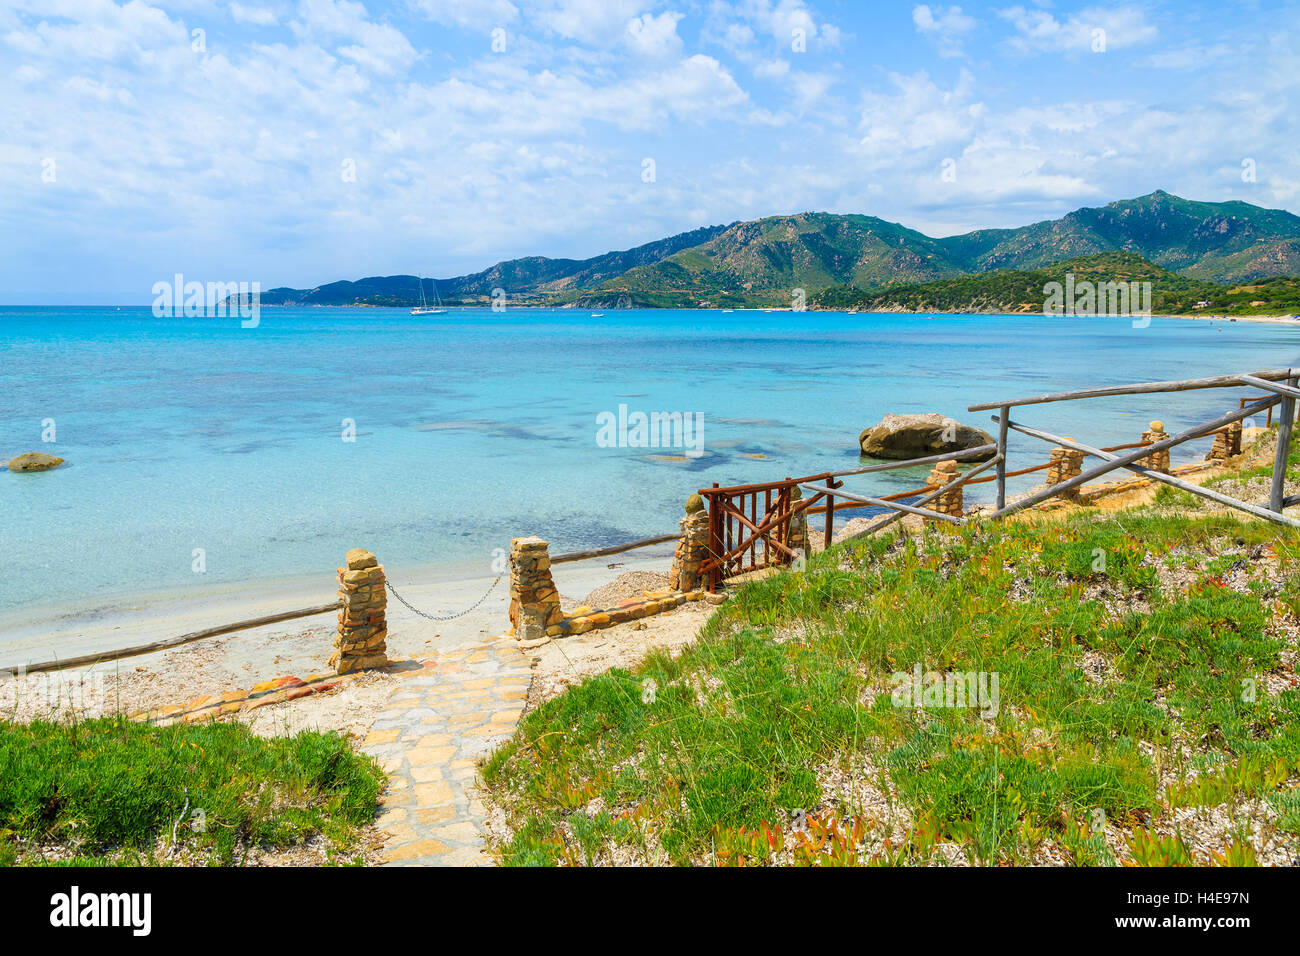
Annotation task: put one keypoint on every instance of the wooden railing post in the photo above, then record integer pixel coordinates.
(830, 516)
(1285, 420)
(715, 541)
(788, 501)
(1004, 415)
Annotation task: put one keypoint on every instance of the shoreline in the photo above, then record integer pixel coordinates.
(1267, 319)
(1253, 317)
(439, 589)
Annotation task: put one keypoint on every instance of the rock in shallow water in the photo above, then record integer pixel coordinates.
(917, 436)
(34, 461)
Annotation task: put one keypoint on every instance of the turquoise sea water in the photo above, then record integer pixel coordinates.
(474, 427)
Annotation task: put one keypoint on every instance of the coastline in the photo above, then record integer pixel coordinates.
(441, 589)
(1268, 319)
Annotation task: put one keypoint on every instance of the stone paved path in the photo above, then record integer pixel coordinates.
(443, 716)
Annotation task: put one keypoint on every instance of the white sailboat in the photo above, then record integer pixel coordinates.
(424, 308)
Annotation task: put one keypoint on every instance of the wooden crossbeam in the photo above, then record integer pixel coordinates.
(1160, 476)
(1141, 388)
(956, 483)
(759, 533)
(1112, 462)
(882, 503)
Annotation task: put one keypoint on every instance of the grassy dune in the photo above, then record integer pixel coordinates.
(111, 791)
(1148, 710)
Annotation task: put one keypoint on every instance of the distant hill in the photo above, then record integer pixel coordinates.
(531, 277)
(1222, 242)
(762, 261)
(1019, 290)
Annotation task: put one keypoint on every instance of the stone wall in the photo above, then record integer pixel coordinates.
(1066, 463)
(652, 602)
(798, 540)
(361, 640)
(1160, 460)
(1227, 443)
(950, 502)
(534, 601)
(692, 547)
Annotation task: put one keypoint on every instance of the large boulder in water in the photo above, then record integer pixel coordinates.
(34, 461)
(919, 436)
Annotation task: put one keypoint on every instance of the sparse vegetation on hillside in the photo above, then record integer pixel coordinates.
(1012, 291)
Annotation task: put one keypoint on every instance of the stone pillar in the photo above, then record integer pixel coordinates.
(534, 602)
(1160, 460)
(1227, 443)
(692, 547)
(950, 502)
(1065, 464)
(361, 641)
(798, 541)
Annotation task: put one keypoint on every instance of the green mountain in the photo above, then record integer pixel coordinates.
(1018, 290)
(1221, 242)
(529, 278)
(761, 263)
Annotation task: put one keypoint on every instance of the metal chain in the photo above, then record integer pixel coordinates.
(447, 617)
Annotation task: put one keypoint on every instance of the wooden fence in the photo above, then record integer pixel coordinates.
(750, 524)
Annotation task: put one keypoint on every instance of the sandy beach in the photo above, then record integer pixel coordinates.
(1199, 317)
(1264, 319)
(298, 647)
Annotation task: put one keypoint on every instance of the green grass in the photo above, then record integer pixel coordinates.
(112, 790)
(792, 675)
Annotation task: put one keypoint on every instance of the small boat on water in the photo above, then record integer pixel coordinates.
(424, 308)
(598, 315)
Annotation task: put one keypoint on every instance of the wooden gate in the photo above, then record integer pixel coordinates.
(749, 525)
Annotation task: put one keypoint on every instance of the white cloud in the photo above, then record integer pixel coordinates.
(655, 37)
(258, 16)
(736, 25)
(945, 26)
(1037, 31)
(917, 115)
(1190, 57)
(96, 30)
(1048, 154)
(737, 36)
(696, 89)
(587, 21)
(475, 14)
(377, 46)
(772, 69)
(810, 88)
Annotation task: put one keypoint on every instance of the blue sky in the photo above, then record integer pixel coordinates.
(294, 142)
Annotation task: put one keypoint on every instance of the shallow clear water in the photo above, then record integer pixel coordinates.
(473, 427)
